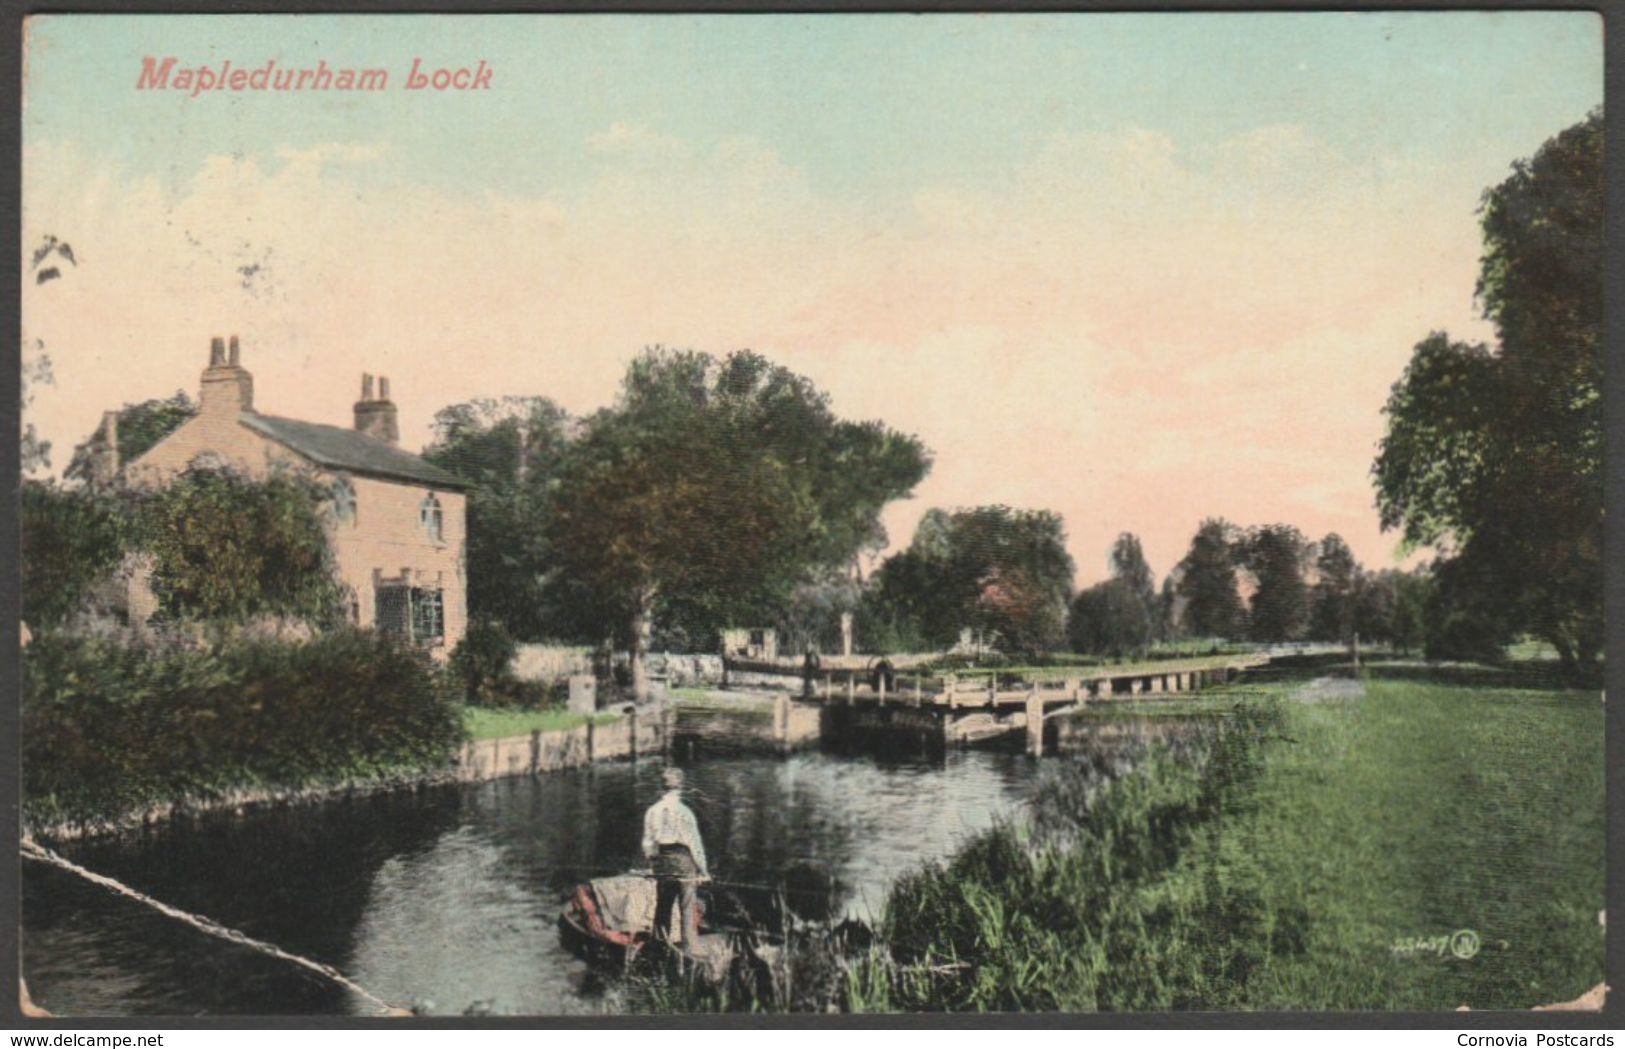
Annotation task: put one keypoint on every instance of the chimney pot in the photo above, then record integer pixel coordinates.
(227, 388)
(375, 416)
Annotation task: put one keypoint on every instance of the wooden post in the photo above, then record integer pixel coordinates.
(949, 682)
(781, 721)
(592, 732)
(535, 751)
(632, 733)
(880, 686)
(851, 688)
(827, 687)
(1035, 723)
(993, 691)
(916, 690)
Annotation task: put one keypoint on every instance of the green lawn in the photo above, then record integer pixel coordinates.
(485, 723)
(1423, 809)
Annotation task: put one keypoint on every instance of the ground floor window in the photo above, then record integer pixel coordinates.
(416, 613)
(428, 615)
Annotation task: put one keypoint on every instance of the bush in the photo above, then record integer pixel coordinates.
(72, 539)
(480, 662)
(109, 729)
(1111, 898)
(226, 547)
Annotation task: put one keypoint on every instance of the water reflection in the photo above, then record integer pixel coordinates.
(446, 898)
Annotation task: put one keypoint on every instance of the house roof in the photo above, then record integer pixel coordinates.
(337, 448)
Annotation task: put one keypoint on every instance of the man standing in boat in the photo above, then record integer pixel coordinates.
(671, 843)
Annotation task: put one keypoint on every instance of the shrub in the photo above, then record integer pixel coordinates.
(1110, 898)
(111, 728)
(229, 548)
(72, 539)
(480, 663)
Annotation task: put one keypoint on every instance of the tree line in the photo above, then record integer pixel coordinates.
(725, 491)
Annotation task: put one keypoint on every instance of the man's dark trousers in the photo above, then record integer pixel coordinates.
(676, 875)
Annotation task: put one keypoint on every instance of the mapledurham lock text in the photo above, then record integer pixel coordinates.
(167, 74)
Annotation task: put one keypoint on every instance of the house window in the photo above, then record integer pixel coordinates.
(428, 616)
(415, 613)
(432, 518)
(392, 611)
(344, 506)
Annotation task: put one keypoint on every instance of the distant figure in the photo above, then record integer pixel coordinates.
(671, 843)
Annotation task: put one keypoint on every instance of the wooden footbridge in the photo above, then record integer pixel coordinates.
(983, 704)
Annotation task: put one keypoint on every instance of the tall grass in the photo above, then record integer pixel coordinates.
(1291, 856)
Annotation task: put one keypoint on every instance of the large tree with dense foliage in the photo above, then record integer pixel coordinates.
(1003, 572)
(1336, 593)
(72, 539)
(1494, 455)
(140, 426)
(510, 450)
(1277, 555)
(1207, 582)
(1122, 615)
(711, 488)
(226, 548)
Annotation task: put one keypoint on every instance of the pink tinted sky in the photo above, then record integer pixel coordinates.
(1136, 315)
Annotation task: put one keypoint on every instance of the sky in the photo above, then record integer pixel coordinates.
(1138, 269)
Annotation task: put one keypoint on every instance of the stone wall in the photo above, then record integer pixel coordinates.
(538, 752)
(552, 664)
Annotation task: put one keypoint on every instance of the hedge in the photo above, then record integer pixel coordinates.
(111, 729)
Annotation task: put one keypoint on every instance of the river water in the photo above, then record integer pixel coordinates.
(445, 898)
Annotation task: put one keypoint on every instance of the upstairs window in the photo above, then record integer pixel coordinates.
(344, 506)
(432, 518)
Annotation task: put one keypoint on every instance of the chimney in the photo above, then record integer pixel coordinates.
(227, 387)
(104, 462)
(375, 416)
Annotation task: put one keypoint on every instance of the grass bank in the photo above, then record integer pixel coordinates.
(1317, 855)
(1423, 809)
(496, 723)
(1313, 851)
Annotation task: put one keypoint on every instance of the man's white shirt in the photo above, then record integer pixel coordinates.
(670, 822)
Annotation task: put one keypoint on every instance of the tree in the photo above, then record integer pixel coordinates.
(1207, 582)
(1412, 593)
(1122, 615)
(1000, 571)
(1276, 555)
(226, 548)
(34, 451)
(1494, 456)
(140, 426)
(711, 489)
(510, 449)
(1111, 619)
(72, 539)
(45, 262)
(1334, 597)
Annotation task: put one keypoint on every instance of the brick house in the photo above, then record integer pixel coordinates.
(396, 522)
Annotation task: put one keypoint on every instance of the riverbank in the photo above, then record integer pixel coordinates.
(501, 743)
(1419, 838)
